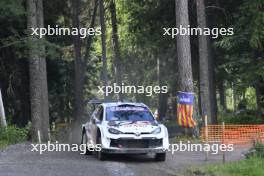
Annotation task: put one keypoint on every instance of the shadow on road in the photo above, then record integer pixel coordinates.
(131, 158)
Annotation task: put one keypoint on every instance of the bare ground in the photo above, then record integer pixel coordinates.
(18, 160)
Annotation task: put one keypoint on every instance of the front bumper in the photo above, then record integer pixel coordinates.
(130, 145)
(133, 150)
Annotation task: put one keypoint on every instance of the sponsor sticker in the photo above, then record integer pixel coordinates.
(128, 108)
(138, 124)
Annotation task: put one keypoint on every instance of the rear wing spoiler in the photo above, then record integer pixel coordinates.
(94, 102)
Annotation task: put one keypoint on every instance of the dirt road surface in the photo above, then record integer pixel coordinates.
(19, 160)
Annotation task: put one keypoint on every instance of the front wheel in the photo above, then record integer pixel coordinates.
(100, 154)
(160, 156)
(85, 141)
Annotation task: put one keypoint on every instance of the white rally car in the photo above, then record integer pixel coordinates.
(125, 128)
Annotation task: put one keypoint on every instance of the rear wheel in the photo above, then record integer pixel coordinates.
(100, 154)
(160, 156)
(84, 141)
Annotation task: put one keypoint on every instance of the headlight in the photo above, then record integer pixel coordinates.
(114, 131)
(156, 131)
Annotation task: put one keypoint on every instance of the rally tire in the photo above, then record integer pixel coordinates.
(160, 156)
(84, 141)
(100, 154)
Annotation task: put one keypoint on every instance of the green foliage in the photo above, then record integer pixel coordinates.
(11, 9)
(259, 148)
(3, 144)
(12, 24)
(241, 52)
(140, 28)
(60, 88)
(246, 117)
(256, 151)
(239, 58)
(12, 135)
(246, 97)
(250, 96)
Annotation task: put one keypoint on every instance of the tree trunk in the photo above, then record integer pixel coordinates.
(34, 71)
(212, 82)
(2, 112)
(102, 22)
(78, 67)
(185, 77)
(162, 98)
(22, 105)
(259, 87)
(222, 96)
(234, 96)
(160, 116)
(90, 37)
(43, 74)
(205, 87)
(117, 58)
(259, 84)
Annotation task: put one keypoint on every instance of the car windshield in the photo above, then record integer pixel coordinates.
(128, 113)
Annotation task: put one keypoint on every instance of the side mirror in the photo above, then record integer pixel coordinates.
(90, 114)
(94, 120)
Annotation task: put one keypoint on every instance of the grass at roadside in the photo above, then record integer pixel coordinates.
(248, 167)
(12, 135)
(252, 166)
(185, 139)
(3, 144)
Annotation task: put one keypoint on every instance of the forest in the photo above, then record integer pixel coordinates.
(49, 79)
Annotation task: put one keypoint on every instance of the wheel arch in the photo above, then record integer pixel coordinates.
(99, 133)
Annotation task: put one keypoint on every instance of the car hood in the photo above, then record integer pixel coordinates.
(135, 127)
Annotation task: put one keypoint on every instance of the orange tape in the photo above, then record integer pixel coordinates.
(233, 134)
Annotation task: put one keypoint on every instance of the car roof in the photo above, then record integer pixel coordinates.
(111, 104)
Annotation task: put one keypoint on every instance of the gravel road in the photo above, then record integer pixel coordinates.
(18, 160)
